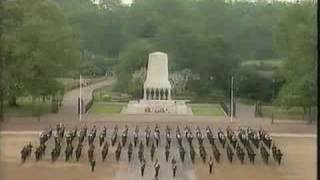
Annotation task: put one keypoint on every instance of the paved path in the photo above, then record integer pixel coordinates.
(69, 109)
(70, 99)
(244, 112)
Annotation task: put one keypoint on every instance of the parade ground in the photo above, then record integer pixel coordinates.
(299, 159)
(297, 142)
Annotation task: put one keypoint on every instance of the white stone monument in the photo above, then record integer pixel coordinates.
(157, 85)
(157, 91)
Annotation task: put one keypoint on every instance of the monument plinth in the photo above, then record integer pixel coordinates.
(157, 90)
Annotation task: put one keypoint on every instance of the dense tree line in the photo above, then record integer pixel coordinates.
(37, 45)
(209, 37)
(44, 39)
(295, 38)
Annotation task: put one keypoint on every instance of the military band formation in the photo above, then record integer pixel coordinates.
(242, 142)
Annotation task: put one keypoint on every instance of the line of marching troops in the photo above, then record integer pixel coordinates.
(260, 139)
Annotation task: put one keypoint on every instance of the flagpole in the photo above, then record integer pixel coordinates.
(231, 103)
(80, 105)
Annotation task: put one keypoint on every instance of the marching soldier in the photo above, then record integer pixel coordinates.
(216, 153)
(203, 153)
(168, 137)
(102, 136)
(124, 135)
(53, 154)
(135, 136)
(147, 135)
(157, 136)
(279, 156)
(140, 153)
(29, 147)
(105, 150)
(241, 155)
(118, 152)
(229, 153)
(192, 154)
(143, 165)
(141, 147)
(174, 166)
(93, 164)
(167, 152)
(90, 152)
(182, 152)
(274, 150)
(78, 151)
(210, 165)
(251, 155)
(157, 168)
(130, 151)
(153, 149)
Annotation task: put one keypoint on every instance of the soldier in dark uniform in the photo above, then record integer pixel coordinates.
(29, 147)
(90, 152)
(53, 155)
(118, 152)
(157, 168)
(105, 150)
(153, 149)
(143, 165)
(130, 151)
(140, 152)
(251, 155)
(78, 151)
(182, 152)
(203, 153)
(229, 153)
(210, 165)
(167, 152)
(168, 137)
(241, 155)
(93, 164)
(37, 154)
(216, 153)
(147, 135)
(174, 166)
(135, 136)
(192, 154)
(279, 156)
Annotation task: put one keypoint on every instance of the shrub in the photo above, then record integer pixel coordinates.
(106, 98)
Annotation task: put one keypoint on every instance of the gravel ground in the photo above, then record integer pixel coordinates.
(299, 161)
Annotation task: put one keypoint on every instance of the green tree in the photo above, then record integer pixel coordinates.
(39, 45)
(295, 38)
(133, 58)
(2, 68)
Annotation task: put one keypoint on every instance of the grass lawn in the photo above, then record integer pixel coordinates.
(247, 101)
(106, 108)
(207, 109)
(106, 94)
(25, 108)
(271, 62)
(294, 113)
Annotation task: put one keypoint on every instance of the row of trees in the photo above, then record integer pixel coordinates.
(209, 37)
(44, 39)
(38, 44)
(296, 39)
